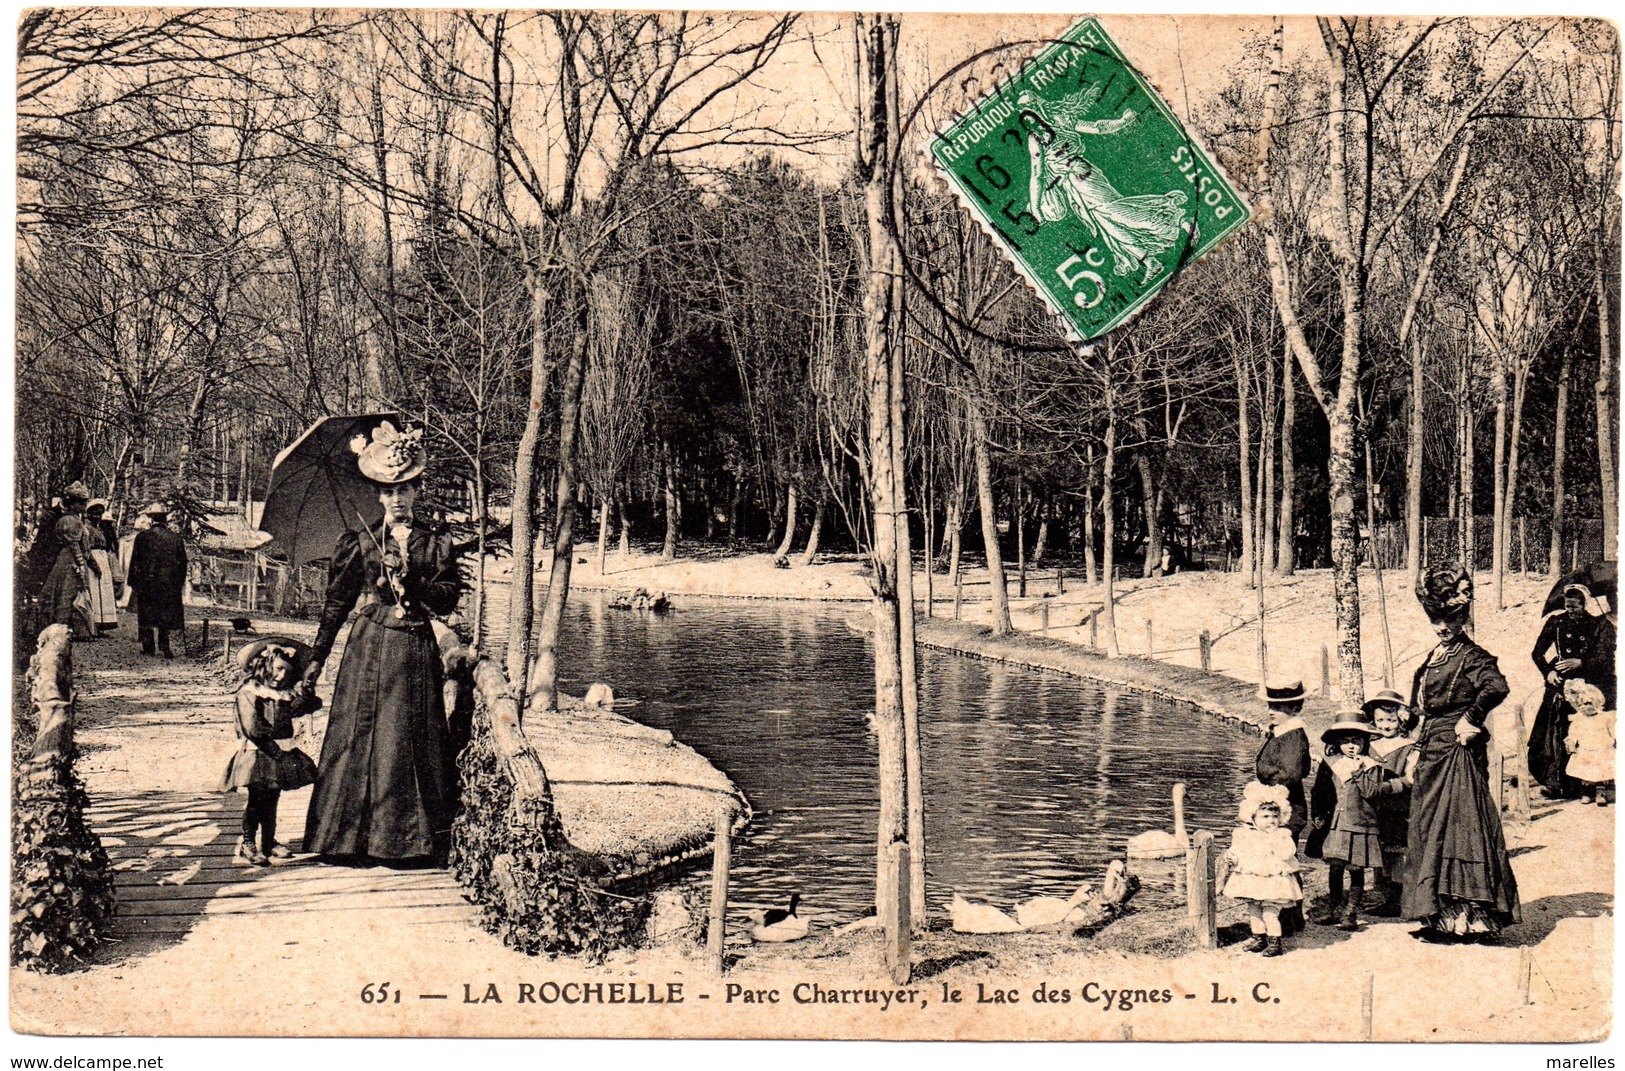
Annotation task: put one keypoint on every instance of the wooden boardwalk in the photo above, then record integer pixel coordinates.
(172, 863)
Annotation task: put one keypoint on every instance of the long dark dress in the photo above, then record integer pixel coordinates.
(383, 785)
(65, 599)
(1458, 877)
(1567, 635)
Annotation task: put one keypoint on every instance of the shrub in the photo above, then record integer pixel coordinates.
(61, 880)
(534, 891)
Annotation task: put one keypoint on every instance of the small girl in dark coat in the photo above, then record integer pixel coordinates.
(268, 700)
(1345, 822)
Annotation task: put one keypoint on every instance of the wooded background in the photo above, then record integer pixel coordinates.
(619, 259)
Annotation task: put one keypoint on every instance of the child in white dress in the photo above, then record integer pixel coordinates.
(1590, 742)
(1263, 864)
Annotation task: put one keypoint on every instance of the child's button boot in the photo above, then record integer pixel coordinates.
(1272, 947)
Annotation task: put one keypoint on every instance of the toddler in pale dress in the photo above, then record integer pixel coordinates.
(1590, 742)
(1262, 864)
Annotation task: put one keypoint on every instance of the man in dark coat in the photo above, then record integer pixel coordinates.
(157, 576)
(1284, 760)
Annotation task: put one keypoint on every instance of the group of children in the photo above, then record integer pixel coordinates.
(1359, 814)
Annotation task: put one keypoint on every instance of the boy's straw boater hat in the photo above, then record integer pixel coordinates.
(1386, 697)
(299, 653)
(1256, 794)
(96, 503)
(1348, 721)
(389, 456)
(1282, 691)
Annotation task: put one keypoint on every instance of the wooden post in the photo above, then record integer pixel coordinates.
(959, 593)
(1060, 579)
(1325, 672)
(1520, 768)
(1094, 632)
(1043, 617)
(1368, 1000)
(899, 932)
(1150, 647)
(1199, 900)
(721, 858)
(1497, 775)
(205, 637)
(1205, 644)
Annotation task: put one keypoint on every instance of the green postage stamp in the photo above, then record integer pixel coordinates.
(1085, 177)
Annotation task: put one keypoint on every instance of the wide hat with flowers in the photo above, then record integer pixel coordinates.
(389, 455)
(1256, 794)
(1445, 592)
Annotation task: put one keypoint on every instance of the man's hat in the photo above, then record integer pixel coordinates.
(157, 509)
(76, 491)
(1283, 691)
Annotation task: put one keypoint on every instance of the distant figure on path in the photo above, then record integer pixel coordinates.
(157, 578)
(1574, 644)
(65, 596)
(1458, 877)
(384, 780)
(102, 539)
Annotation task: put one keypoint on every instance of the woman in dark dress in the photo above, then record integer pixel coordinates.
(1458, 877)
(384, 782)
(1573, 644)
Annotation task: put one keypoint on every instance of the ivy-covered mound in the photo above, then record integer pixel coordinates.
(61, 881)
(534, 891)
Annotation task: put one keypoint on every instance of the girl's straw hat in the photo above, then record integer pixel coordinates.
(299, 653)
(1386, 697)
(1349, 721)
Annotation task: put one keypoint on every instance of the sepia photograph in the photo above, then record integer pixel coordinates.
(687, 524)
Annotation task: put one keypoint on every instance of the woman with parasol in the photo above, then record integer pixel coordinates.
(384, 781)
(1458, 877)
(1574, 644)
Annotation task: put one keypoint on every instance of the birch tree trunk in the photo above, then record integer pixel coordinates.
(811, 552)
(789, 524)
(1603, 394)
(876, 137)
(674, 507)
(521, 600)
(1286, 556)
(1413, 470)
(990, 526)
(544, 680)
(1498, 387)
(1089, 516)
(1560, 444)
(1108, 525)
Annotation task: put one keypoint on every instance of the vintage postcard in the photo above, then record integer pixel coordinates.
(682, 524)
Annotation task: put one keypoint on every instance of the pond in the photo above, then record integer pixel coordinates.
(1032, 779)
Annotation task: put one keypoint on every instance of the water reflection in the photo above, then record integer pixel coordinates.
(1031, 779)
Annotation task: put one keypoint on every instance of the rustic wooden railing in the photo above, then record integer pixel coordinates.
(62, 881)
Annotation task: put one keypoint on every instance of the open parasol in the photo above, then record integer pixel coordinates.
(317, 493)
(1599, 578)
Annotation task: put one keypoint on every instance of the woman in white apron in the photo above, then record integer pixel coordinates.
(103, 550)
